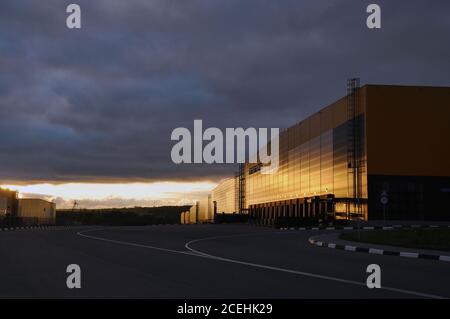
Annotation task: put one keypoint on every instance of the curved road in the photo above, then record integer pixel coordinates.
(202, 261)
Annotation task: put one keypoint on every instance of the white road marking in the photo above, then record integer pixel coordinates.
(302, 273)
(197, 253)
(82, 234)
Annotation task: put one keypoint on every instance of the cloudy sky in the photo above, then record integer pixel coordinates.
(88, 113)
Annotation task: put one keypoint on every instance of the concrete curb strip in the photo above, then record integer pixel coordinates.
(375, 251)
(366, 227)
(379, 251)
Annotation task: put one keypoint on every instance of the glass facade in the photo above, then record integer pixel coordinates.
(323, 162)
(315, 176)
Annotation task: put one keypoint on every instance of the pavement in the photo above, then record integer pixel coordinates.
(202, 261)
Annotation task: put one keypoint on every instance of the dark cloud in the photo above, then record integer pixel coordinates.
(100, 103)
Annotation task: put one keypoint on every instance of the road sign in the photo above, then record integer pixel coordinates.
(384, 200)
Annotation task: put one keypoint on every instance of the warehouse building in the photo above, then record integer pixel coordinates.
(184, 218)
(200, 212)
(380, 152)
(34, 211)
(205, 209)
(224, 196)
(9, 204)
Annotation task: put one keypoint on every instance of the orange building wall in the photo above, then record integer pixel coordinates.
(408, 130)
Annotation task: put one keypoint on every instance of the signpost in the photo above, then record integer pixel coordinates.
(384, 200)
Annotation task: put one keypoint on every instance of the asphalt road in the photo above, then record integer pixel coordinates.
(202, 261)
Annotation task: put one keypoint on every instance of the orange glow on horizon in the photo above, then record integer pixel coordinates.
(159, 191)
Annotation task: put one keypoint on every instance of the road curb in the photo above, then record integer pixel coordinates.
(376, 251)
(391, 227)
(34, 228)
(23, 228)
(56, 227)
